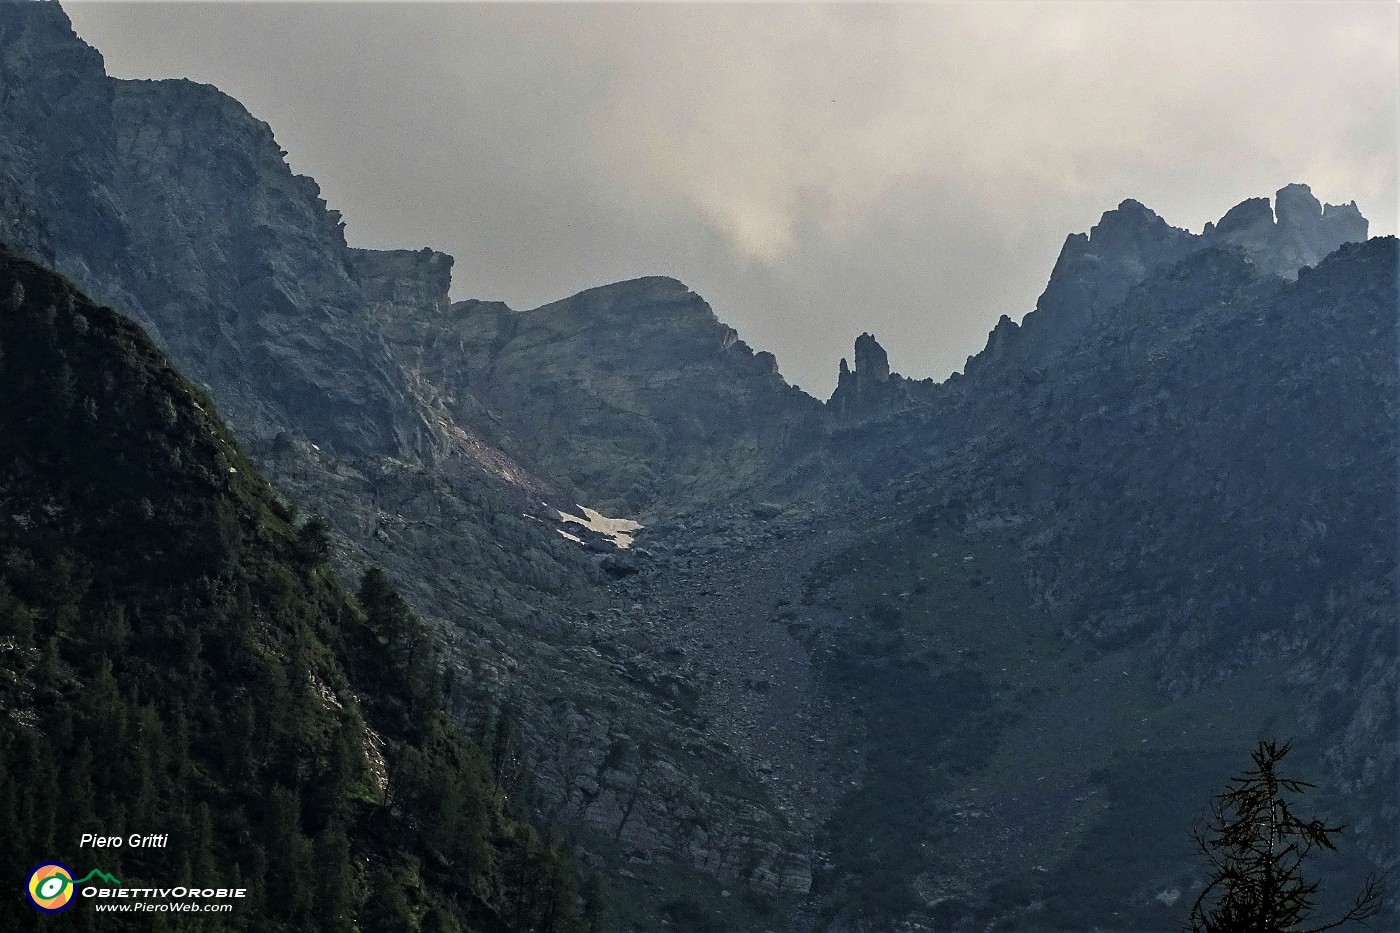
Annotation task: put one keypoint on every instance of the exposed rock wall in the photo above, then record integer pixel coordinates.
(167, 199)
(632, 393)
(871, 392)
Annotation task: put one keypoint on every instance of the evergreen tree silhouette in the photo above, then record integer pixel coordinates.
(1257, 847)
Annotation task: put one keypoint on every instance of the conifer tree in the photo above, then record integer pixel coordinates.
(1257, 847)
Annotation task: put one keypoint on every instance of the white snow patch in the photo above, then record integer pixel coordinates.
(618, 529)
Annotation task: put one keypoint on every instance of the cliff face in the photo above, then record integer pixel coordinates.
(1299, 230)
(632, 393)
(168, 200)
(57, 113)
(1095, 270)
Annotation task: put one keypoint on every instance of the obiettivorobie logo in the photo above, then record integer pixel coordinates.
(51, 886)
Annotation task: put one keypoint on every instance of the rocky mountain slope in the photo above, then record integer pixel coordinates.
(169, 200)
(894, 661)
(1184, 539)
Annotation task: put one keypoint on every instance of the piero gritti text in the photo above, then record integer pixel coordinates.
(133, 841)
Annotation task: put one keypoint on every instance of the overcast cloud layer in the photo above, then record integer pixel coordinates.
(813, 171)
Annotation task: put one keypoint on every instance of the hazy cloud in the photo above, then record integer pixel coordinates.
(814, 171)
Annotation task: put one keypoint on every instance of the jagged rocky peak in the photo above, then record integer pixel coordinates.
(872, 367)
(1318, 227)
(1132, 227)
(1348, 217)
(1296, 206)
(872, 362)
(1298, 230)
(1249, 214)
(870, 388)
(1003, 352)
(1095, 271)
(1131, 235)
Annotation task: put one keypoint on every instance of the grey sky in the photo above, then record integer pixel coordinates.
(812, 170)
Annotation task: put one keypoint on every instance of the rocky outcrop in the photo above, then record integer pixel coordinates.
(1095, 271)
(58, 140)
(872, 362)
(1299, 231)
(870, 390)
(872, 369)
(244, 274)
(401, 280)
(1246, 219)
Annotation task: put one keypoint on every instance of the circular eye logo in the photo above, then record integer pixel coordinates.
(51, 887)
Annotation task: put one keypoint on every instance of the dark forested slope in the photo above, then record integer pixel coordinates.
(177, 657)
